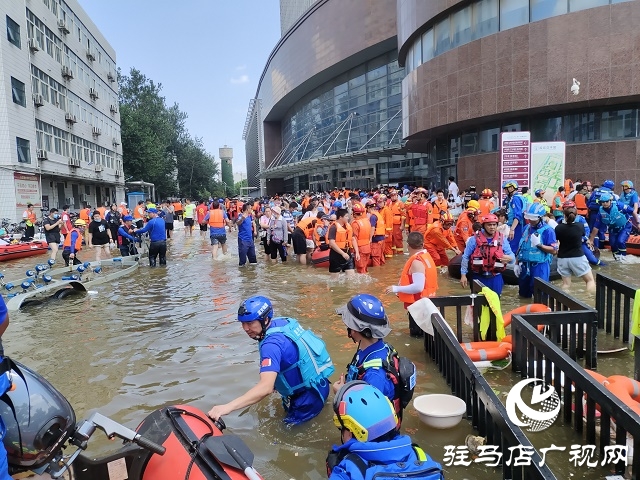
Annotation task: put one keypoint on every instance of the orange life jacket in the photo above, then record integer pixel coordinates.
(177, 207)
(102, 211)
(343, 236)
(84, 214)
(486, 257)
(380, 225)
(556, 206)
(306, 225)
(581, 204)
(216, 218)
(397, 210)
(137, 213)
(123, 211)
(67, 240)
(364, 231)
(440, 206)
(430, 281)
(239, 206)
(568, 186)
(485, 206)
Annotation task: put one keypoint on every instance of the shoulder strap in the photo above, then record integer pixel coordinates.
(360, 464)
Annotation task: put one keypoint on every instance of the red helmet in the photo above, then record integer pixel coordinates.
(487, 193)
(358, 208)
(446, 218)
(568, 204)
(491, 218)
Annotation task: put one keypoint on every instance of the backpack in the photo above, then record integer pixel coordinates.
(427, 469)
(314, 362)
(401, 371)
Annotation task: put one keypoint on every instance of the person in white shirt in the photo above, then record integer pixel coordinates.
(453, 187)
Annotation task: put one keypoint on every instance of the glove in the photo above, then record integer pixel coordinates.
(517, 269)
(535, 240)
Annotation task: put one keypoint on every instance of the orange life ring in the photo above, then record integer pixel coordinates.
(531, 308)
(479, 351)
(626, 389)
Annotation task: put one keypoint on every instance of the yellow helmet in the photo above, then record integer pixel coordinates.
(80, 223)
(473, 204)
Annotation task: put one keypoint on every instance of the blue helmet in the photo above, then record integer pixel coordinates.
(535, 211)
(605, 197)
(363, 194)
(510, 183)
(255, 308)
(365, 313)
(364, 411)
(539, 192)
(609, 184)
(337, 204)
(626, 184)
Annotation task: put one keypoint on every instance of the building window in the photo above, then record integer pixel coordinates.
(17, 92)
(541, 9)
(461, 27)
(24, 156)
(485, 14)
(576, 5)
(513, 13)
(427, 45)
(443, 40)
(13, 32)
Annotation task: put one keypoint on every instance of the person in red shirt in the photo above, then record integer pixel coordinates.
(201, 212)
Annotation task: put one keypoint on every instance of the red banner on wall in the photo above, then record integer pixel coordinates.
(27, 189)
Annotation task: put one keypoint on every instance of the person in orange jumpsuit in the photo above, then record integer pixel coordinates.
(422, 210)
(379, 230)
(485, 202)
(387, 216)
(438, 239)
(464, 227)
(440, 205)
(361, 237)
(399, 216)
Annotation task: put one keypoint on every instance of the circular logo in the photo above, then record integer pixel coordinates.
(540, 412)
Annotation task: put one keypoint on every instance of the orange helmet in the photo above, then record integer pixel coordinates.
(358, 208)
(446, 218)
(487, 193)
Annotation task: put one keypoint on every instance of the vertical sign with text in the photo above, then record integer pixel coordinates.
(515, 157)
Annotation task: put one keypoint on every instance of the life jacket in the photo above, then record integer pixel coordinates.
(614, 218)
(485, 259)
(485, 206)
(31, 218)
(239, 206)
(380, 225)
(102, 211)
(594, 199)
(410, 215)
(422, 213)
(123, 211)
(84, 214)
(124, 241)
(430, 281)
(216, 218)
(398, 211)
(516, 200)
(136, 212)
(438, 207)
(568, 186)
(400, 370)
(364, 233)
(581, 204)
(556, 204)
(542, 201)
(343, 236)
(306, 225)
(628, 198)
(67, 240)
(529, 254)
(177, 207)
(314, 363)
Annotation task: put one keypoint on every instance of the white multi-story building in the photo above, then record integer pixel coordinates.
(59, 119)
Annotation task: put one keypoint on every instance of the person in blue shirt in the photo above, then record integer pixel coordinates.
(489, 252)
(515, 204)
(629, 196)
(5, 385)
(246, 234)
(368, 325)
(536, 250)
(614, 217)
(278, 354)
(126, 241)
(157, 237)
(371, 446)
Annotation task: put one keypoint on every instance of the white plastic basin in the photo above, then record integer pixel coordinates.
(438, 410)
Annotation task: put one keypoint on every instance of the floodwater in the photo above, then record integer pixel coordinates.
(169, 336)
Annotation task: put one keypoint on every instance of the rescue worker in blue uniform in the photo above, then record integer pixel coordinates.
(515, 204)
(536, 250)
(5, 385)
(283, 364)
(594, 207)
(487, 254)
(629, 196)
(587, 246)
(374, 362)
(371, 445)
(614, 217)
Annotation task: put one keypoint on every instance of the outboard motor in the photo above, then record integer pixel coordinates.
(45, 420)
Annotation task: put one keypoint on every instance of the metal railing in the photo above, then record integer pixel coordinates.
(613, 303)
(537, 356)
(484, 409)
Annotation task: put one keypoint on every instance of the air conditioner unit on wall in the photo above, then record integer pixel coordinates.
(67, 72)
(99, 168)
(70, 118)
(96, 131)
(38, 100)
(74, 162)
(62, 26)
(91, 55)
(69, 201)
(111, 77)
(42, 154)
(93, 93)
(113, 109)
(33, 45)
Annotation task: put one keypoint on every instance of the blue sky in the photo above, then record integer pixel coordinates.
(207, 54)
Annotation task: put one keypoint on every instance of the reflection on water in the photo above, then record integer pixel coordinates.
(168, 336)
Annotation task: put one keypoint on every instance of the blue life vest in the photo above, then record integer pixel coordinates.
(628, 199)
(614, 218)
(314, 362)
(531, 254)
(594, 199)
(516, 200)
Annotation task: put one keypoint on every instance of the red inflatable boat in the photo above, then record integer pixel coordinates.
(320, 258)
(22, 249)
